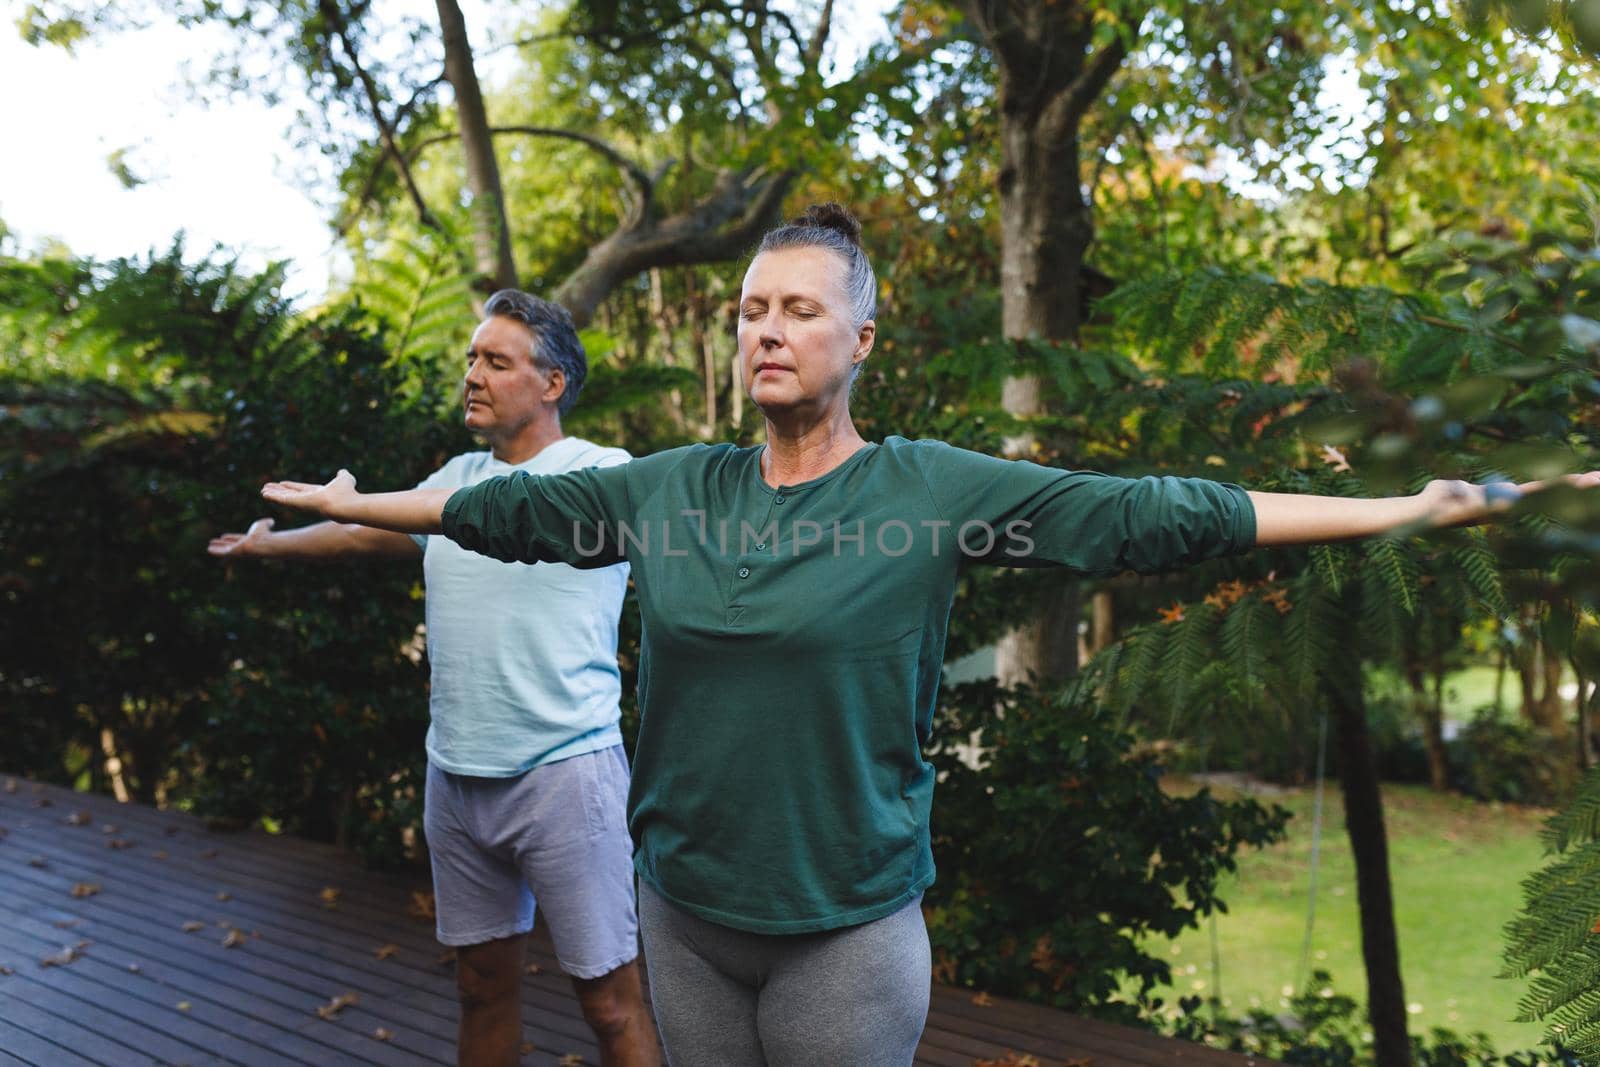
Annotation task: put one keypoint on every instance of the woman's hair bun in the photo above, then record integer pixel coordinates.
(831, 216)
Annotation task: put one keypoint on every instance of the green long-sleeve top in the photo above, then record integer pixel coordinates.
(793, 640)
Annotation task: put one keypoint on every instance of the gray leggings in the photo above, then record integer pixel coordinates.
(729, 998)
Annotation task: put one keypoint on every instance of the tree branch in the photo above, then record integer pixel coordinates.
(1003, 32)
(819, 38)
(335, 20)
(719, 226)
(1066, 109)
(723, 69)
(370, 187)
(642, 182)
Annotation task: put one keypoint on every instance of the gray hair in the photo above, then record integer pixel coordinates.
(831, 226)
(555, 338)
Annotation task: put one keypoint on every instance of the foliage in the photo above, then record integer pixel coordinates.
(123, 639)
(1013, 912)
(1553, 940)
(1495, 759)
(1324, 1028)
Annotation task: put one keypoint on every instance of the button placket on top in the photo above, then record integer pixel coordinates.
(743, 571)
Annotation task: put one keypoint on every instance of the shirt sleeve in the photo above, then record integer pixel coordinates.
(1094, 524)
(569, 518)
(444, 476)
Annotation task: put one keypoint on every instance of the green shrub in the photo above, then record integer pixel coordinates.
(1324, 1028)
(245, 691)
(1495, 759)
(1062, 854)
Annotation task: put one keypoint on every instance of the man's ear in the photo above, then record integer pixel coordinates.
(555, 386)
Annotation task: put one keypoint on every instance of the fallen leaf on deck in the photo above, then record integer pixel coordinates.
(447, 956)
(108, 828)
(85, 889)
(224, 896)
(422, 906)
(171, 831)
(119, 843)
(1010, 1059)
(134, 968)
(36, 861)
(234, 939)
(192, 925)
(571, 1059)
(11, 785)
(332, 1009)
(66, 924)
(3, 833)
(79, 818)
(209, 854)
(1081, 1061)
(383, 1035)
(62, 958)
(527, 1048)
(983, 1000)
(6, 971)
(330, 896)
(42, 802)
(184, 1005)
(534, 968)
(159, 854)
(386, 951)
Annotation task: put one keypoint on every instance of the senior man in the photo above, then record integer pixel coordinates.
(527, 778)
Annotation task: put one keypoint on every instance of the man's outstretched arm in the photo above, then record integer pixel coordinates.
(322, 540)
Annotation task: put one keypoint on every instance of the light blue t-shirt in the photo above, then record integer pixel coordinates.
(524, 656)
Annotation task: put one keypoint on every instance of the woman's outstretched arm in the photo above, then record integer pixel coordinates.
(1301, 519)
(416, 511)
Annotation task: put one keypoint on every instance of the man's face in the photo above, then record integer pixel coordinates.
(504, 389)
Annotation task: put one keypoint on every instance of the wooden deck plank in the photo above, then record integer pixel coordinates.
(61, 1023)
(254, 1005)
(1103, 1041)
(334, 970)
(33, 1049)
(245, 998)
(238, 1036)
(317, 944)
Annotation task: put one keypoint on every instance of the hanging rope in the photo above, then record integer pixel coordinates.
(1303, 977)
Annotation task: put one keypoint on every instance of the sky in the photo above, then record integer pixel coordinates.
(224, 173)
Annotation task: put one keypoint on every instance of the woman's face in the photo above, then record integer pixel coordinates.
(798, 342)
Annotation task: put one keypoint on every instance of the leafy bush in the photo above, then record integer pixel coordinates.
(1324, 1028)
(294, 693)
(1496, 759)
(1062, 854)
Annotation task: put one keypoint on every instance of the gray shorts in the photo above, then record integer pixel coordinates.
(556, 835)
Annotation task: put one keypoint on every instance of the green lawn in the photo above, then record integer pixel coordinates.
(1457, 867)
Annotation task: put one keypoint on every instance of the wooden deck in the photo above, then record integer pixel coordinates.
(130, 936)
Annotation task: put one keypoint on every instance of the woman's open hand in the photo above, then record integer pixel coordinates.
(1456, 503)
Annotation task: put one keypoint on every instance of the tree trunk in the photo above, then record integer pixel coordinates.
(491, 233)
(1380, 943)
(1045, 230)
(1431, 714)
(1548, 712)
(1048, 78)
(1103, 624)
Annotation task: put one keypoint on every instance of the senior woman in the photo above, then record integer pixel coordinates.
(795, 599)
